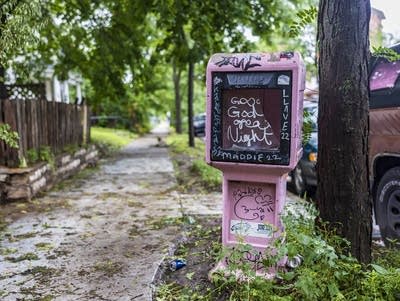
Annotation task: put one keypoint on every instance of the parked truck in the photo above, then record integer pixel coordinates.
(384, 147)
(384, 144)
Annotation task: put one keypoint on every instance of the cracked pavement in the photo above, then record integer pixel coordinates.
(103, 235)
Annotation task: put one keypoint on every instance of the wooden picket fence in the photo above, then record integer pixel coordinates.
(42, 123)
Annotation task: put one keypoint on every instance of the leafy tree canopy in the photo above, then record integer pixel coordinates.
(124, 48)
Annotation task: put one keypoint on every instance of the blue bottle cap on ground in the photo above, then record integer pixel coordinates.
(177, 264)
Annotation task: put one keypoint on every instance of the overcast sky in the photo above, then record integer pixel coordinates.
(391, 9)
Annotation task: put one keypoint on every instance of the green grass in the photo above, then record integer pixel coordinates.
(179, 144)
(210, 177)
(113, 138)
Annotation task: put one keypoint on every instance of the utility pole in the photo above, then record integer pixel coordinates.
(190, 103)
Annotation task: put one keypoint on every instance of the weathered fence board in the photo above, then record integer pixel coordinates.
(42, 123)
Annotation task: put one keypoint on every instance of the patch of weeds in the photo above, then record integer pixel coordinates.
(77, 179)
(83, 272)
(71, 148)
(3, 225)
(21, 205)
(129, 254)
(25, 235)
(327, 271)
(47, 226)
(189, 275)
(41, 271)
(169, 292)
(32, 156)
(211, 177)
(44, 246)
(85, 215)
(176, 292)
(31, 291)
(27, 256)
(85, 173)
(144, 185)
(3, 293)
(150, 247)
(192, 173)
(108, 195)
(86, 235)
(8, 251)
(386, 256)
(93, 295)
(166, 222)
(47, 155)
(135, 231)
(62, 252)
(135, 204)
(46, 298)
(108, 267)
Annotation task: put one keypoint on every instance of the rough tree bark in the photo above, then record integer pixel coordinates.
(343, 190)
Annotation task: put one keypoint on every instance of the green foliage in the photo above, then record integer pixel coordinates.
(32, 156)
(386, 53)
(210, 177)
(305, 17)
(125, 49)
(308, 126)
(8, 136)
(28, 256)
(327, 272)
(178, 144)
(387, 257)
(44, 154)
(20, 22)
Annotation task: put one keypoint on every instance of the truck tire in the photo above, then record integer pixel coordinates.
(387, 205)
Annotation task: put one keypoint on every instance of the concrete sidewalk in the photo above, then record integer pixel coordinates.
(101, 238)
(103, 235)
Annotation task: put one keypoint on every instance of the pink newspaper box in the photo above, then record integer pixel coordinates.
(253, 135)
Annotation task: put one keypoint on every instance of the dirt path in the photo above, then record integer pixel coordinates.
(102, 236)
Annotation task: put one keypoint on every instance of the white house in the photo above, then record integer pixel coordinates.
(54, 89)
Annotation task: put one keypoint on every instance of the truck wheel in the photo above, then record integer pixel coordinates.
(387, 205)
(299, 182)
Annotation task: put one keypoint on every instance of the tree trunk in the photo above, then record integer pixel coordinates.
(3, 91)
(176, 77)
(343, 190)
(190, 103)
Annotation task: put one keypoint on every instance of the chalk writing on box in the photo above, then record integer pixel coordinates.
(251, 117)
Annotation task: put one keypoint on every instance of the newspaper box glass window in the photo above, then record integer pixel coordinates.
(251, 117)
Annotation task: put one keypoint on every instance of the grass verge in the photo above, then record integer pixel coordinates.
(109, 139)
(193, 173)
